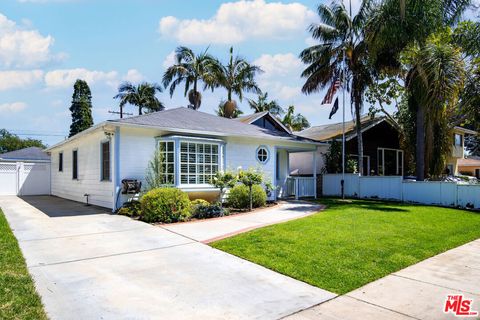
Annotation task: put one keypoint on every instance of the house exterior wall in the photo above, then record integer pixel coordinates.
(136, 147)
(473, 171)
(89, 175)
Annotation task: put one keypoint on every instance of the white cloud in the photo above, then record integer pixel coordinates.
(67, 77)
(21, 47)
(169, 60)
(279, 65)
(134, 76)
(12, 107)
(19, 79)
(235, 22)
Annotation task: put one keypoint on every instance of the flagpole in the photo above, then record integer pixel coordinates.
(343, 129)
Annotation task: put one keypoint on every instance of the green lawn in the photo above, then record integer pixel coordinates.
(18, 298)
(351, 244)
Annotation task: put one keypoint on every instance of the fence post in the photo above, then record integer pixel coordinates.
(296, 188)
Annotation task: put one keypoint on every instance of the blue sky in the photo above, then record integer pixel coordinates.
(46, 44)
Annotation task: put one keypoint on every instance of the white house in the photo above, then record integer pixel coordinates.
(194, 145)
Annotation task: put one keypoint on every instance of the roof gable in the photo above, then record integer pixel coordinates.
(256, 119)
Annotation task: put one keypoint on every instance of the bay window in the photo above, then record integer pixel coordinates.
(198, 162)
(167, 162)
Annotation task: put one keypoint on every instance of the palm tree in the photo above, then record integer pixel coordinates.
(341, 39)
(236, 77)
(295, 122)
(142, 96)
(190, 68)
(262, 104)
(221, 111)
(400, 24)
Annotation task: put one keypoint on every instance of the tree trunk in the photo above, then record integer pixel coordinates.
(358, 125)
(420, 147)
(140, 111)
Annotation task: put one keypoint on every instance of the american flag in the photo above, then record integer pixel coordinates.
(331, 92)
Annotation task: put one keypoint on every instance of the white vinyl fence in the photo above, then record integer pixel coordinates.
(395, 188)
(24, 179)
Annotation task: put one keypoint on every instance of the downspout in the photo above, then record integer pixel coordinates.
(116, 184)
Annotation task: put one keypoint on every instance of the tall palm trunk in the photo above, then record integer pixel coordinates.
(358, 127)
(420, 148)
(139, 110)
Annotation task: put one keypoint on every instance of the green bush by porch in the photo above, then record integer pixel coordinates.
(165, 205)
(351, 244)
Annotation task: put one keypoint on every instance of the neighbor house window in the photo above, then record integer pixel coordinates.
(390, 162)
(198, 162)
(262, 154)
(167, 160)
(75, 164)
(60, 161)
(458, 140)
(105, 161)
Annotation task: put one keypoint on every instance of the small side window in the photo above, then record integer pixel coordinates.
(75, 164)
(105, 162)
(262, 154)
(60, 161)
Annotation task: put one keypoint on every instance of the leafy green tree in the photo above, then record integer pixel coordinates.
(399, 25)
(223, 180)
(262, 104)
(11, 142)
(341, 39)
(237, 77)
(191, 68)
(250, 178)
(295, 122)
(81, 108)
(142, 96)
(333, 158)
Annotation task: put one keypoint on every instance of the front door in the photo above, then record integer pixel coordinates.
(477, 173)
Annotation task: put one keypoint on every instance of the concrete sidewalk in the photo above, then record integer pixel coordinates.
(90, 264)
(416, 292)
(215, 229)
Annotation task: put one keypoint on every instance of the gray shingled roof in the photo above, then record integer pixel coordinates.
(30, 154)
(334, 131)
(190, 120)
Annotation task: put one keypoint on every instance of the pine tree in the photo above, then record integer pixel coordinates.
(81, 108)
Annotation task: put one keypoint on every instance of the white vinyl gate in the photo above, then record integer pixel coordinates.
(24, 178)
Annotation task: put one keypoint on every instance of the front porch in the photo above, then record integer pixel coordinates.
(294, 186)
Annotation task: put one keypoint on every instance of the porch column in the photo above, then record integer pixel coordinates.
(315, 173)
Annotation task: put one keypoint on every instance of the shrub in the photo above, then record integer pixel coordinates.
(196, 203)
(130, 209)
(239, 197)
(209, 211)
(165, 205)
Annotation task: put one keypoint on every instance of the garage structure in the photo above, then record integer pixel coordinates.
(25, 172)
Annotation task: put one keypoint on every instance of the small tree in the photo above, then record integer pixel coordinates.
(250, 178)
(333, 158)
(223, 180)
(81, 108)
(155, 176)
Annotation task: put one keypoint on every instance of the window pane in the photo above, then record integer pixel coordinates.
(196, 161)
(167, 166)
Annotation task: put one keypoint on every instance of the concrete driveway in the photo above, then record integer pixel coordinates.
(89, 264)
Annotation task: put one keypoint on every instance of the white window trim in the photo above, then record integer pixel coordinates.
(219, 145)
(268, 154)
(175, 160)
(396, 160)
(109, 161)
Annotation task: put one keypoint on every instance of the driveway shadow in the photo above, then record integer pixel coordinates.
(57, 207)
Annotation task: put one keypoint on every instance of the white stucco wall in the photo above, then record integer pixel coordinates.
(88, 146)
(303, 162)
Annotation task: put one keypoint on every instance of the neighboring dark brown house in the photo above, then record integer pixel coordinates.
(381, 144)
